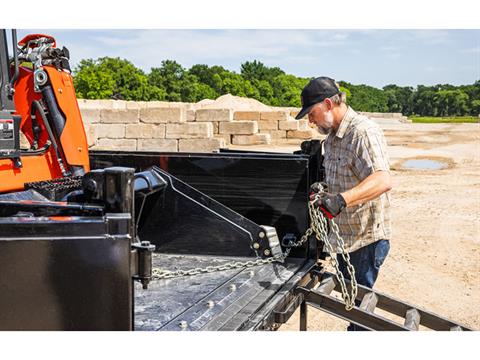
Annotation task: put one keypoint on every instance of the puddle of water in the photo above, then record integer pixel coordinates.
(424, 164)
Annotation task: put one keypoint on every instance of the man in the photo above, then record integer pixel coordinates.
(357, 175)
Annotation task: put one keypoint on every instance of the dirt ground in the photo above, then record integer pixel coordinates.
(434, 260)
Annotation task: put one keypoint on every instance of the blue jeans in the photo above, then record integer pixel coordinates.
(366, 261)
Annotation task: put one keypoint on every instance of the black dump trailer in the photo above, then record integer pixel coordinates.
(178, 242)
(116, 248)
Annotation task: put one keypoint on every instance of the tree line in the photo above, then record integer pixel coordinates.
(115, 78)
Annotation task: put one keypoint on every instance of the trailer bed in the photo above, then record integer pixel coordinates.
(224, 300)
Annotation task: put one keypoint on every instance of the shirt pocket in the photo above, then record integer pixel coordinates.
(344, 167)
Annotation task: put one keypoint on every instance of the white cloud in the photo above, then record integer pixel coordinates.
(389, 48)
(147, 48)
(475, 50)
(434, 68)
(394, 55)
(375, 57)
(340, 36)
(430, 37)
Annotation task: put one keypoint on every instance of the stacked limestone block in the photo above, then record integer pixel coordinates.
(145, 126)
(275, 127)
(164, 126)
(193, 136)
(246, 129)
(215, 117)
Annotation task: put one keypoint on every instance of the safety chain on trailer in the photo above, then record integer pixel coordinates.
(318, 225)
(158, 274)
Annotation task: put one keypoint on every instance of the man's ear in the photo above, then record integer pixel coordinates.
(329, 103)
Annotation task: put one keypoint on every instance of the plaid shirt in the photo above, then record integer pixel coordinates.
(354, 152)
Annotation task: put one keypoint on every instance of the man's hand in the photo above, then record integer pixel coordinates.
(331, 205)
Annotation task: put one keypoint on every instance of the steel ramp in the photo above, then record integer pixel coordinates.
(367, 302)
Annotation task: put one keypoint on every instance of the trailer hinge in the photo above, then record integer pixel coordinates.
(141, 262)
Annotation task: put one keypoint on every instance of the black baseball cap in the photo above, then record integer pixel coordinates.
(315, 92)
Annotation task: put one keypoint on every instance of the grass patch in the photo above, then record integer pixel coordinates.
(447, 119)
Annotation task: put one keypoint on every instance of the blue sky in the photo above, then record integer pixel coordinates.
(373, 57)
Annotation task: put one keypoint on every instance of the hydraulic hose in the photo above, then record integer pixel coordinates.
(36, 106)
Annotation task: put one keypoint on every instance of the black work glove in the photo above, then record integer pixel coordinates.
(331, 205)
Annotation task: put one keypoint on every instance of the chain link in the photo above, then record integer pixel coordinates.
(158, 274)
(319, 226)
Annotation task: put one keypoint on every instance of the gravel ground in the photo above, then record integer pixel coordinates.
(434, 261)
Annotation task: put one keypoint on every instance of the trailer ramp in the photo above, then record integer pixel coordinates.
(366, 313)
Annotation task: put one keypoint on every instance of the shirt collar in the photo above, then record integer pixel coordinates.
(346, 120)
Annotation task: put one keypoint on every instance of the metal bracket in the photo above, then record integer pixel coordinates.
(281, 317)
(141, 261)
(275, 248)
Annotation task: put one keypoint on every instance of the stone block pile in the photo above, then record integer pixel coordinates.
(387, 118)
(164, 126)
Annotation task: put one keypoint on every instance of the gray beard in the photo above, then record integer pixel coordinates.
(324, 131)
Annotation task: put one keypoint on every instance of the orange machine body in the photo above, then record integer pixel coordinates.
(72, 142)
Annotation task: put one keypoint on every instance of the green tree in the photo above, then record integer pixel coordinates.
(287, 90)
(210, 76)
(450, 102)
(423, 101)
(253, 70)
(205, 92)
(256, 70)
(113, 78)
(399, 99)
(91, 83)
(473, 92)
(265, 91)
(169, 77)
(366, 98)
(475, 108)
(233, 84)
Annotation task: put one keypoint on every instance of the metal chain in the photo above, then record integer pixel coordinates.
(158, 273)
(70, 182)
(318, 225)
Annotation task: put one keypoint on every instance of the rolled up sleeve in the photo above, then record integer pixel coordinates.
(371, 154)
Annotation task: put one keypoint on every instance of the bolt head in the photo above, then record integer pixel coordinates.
(266, 252)
(183, 324)
(261, 234)
(256, 246)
